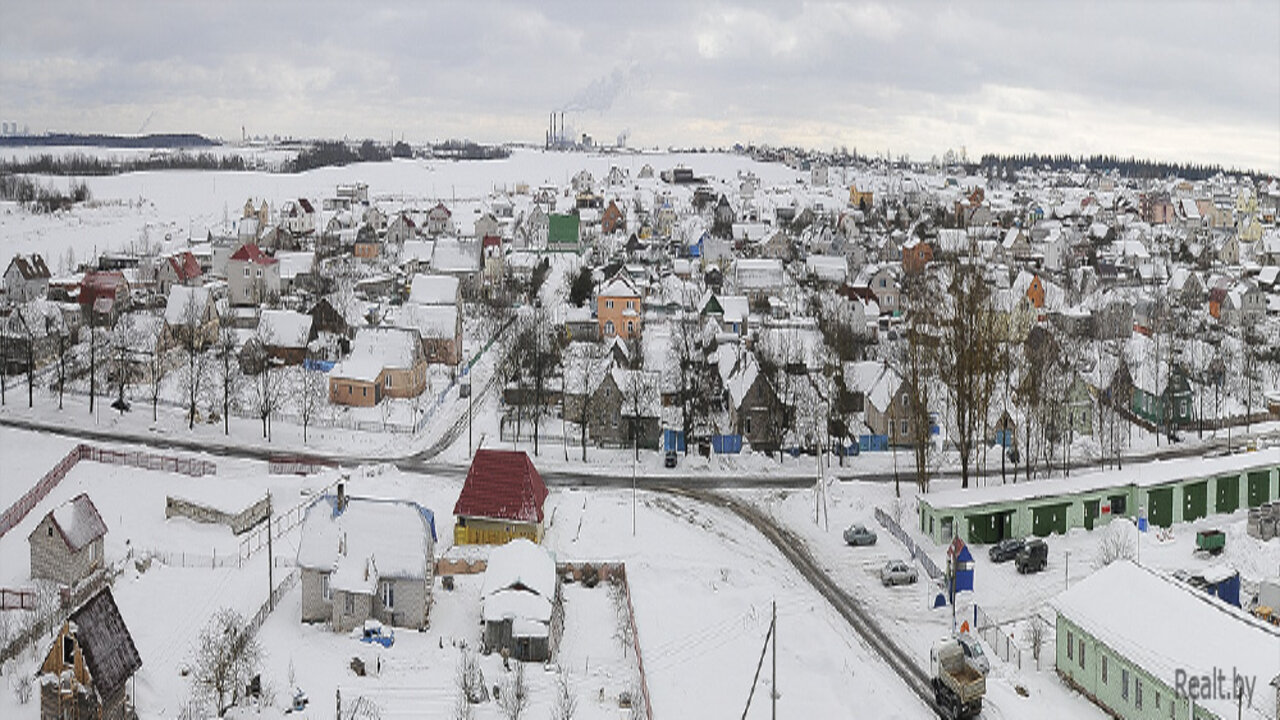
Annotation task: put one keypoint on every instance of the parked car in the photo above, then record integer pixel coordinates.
(670, 459)
(897, 572)
(974, 657)
(374, 632)
(1005, 550)
(859, 535)
(1032, 557)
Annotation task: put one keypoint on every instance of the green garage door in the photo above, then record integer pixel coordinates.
(1092, 509)
(989, 528)
(1160, 513)
(1048, 519)
(1259, 488)
(1195, 500)
(1226, 494)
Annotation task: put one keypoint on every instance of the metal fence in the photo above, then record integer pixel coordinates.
(1000, 641)
(916, 551)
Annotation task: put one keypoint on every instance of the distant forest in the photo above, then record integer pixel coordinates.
(1004, 165)
(82, 164)
(163, 140)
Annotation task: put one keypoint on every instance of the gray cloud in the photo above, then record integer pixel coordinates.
(1196, 81)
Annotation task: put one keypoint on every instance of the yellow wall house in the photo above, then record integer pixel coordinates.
(501, 499)
(86, 672)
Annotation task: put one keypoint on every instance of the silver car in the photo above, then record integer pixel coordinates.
(897, 572)
(859, 535)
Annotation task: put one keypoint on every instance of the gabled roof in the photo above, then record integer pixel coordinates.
(106, 643)
(397, 535)
(185, 265)
(78, 522)
(251, 253)
(33, 269)
(620, 285)
(181, 298)
(504, 485)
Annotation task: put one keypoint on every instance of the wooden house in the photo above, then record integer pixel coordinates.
(86, 672)
(501, 499)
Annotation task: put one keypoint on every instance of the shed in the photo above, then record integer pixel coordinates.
(66, 545)
(518, 593)
(89, 664)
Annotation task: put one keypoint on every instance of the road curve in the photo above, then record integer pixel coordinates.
(794, 549)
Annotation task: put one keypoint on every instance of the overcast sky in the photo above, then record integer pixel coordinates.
(1168, 80)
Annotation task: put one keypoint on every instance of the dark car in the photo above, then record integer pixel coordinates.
(1005, 550)
(670, 459)
(1032, 557)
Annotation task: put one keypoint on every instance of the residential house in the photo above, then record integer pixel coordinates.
(87, 670)
(460, 260)
(613, 220)
(284, 335)
(493, 260)
(627, 407)
(831, 270)
(33, 333)
(732, 311)
(882, 281)
(501, 499)
(178, 269)
(66, 545)
(439, 221)
(439, 328)
(26, 278)
(253, 277)
(618, 308)
(753, 405)
(384, 362)
(103, 296)
(400, 230)
(916, 255)
(517, 593)
(190, 316)
(366, 559)
(487, 225)
(776, 246)
(299, 217)
(863, 200)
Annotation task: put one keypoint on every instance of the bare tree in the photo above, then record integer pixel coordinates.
(917, 366)
(687, 366)
(361, 709)
(566, 705)
(125, 339)
(1118, 542)
(588, 360)
(1035, 634)
(513, 701)
(227, 657)
(640, 398)
(267, 386)
(469, 680)
(191, 338)
(157, 367)
(967, 359)
(311, 395)
(230, 378)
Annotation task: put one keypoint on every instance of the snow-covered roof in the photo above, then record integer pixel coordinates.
(434, 290)
(758, 273)
(451, 255)
(520, 564)
(293, 264)
(180, 298)
(433, 322)
(78, 522)
(285, 328)
(828, 268)
(387, 538)
(376, 348)
(1193, 633)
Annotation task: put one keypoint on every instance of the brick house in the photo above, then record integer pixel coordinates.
(364, 558)
(384, 362)
(501, 499)
(66, 546)
(618, 308)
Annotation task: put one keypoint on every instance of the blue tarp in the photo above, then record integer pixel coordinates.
(673, 440)
(321, 365)
(1228, 590)
(726, 444)
(873, 443)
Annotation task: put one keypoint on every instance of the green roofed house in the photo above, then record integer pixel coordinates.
(1136, 664)
(1170, 491)
(563, 233)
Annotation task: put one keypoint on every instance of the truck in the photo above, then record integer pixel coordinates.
(958, 687)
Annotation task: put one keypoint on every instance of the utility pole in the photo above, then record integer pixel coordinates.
(636, 449)
(775, 661)
(271, 561)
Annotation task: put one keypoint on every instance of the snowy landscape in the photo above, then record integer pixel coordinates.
(502, 361)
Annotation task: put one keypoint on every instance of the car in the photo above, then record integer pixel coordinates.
(858, 534)
(670, 459)
(1005, 550)
(897, 572)
(1032, 557)
(374, 632)
(973, 655)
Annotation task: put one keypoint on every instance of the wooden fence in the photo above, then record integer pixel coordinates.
(132, 458)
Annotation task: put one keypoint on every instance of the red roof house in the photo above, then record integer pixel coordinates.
(501, 499)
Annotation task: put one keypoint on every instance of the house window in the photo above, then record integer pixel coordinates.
(350, 603)
(326, 592)
(1081, 653)
(902, 427)
(631, 327)
(1124, 683)
(246, 272)
(631, 304)
(904, 401)
(93, 552)
(747, 426)
(608, 328)
(608, 304)
(68, 650)
(1071, 643)
(387, 382)
(364, 392)
(1104, 669)
(259, 272)
(1137, 693)
(388, 595)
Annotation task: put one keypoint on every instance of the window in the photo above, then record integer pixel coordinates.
(388, 595)
(259, 272)
(608, 328)
(631, 327)
(350, 603)
(326, 592)
(1104, 669)
(608, 304)
(364, 392)
(387, 381)
(49, 530)
(1118, 505)
(1081, 653)
(1124, 683)
(904, 400)
(903, 427)
(93, 552)
(1071, 643)
(246, 272)
(747, 426)
(1137, 693)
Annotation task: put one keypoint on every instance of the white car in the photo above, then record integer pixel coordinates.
(897, 572)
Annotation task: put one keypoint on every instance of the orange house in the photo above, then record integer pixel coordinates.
(1035, 293)
(618, 309)
(612, 220)
(916, 256)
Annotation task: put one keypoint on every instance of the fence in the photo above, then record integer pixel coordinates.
(256, 539)
(263, 612)
(57, 613)
(297, 465)
(17, 599)
(132, 458)
(190, 559)
(917, 552)
(635, 638)
(1000, 641)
